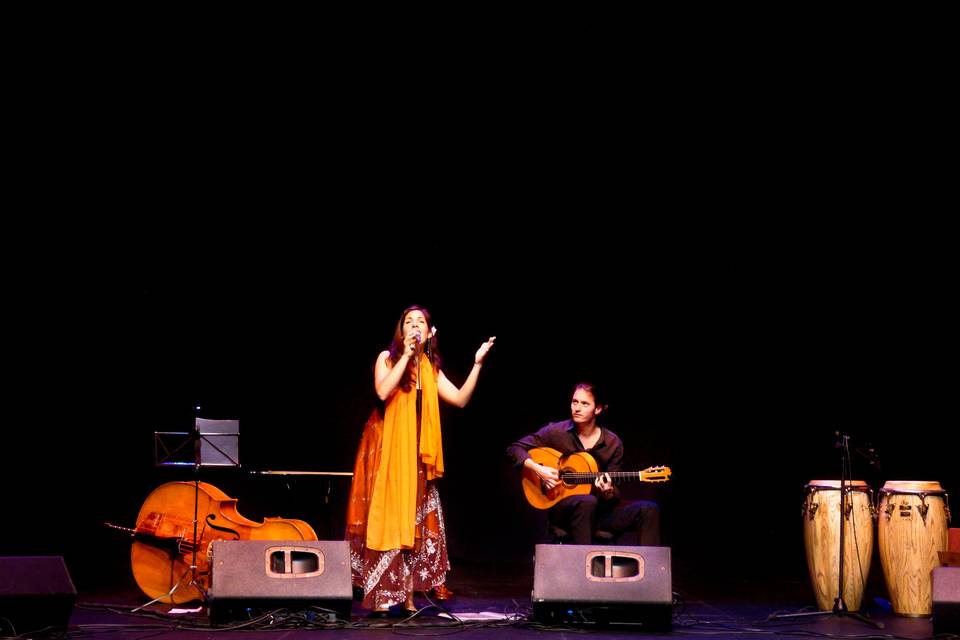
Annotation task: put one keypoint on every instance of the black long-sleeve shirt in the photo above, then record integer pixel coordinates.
(562, 436)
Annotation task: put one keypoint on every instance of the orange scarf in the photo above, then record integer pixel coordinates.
(393, 507)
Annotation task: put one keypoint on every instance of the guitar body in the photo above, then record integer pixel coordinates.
(537, 494)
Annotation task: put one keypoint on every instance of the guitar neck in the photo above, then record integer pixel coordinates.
(581, 477)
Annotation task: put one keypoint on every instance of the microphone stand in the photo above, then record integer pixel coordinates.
(419, 397)
(839, 606)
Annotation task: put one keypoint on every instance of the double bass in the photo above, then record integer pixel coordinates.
(163, 540)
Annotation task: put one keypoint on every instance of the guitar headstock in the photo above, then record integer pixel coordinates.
(656, 474)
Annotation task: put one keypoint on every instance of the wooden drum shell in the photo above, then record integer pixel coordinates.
(913, 528)
(821, 537)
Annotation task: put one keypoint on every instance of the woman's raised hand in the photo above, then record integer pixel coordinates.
(483, 350)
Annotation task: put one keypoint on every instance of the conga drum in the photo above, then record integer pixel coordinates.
(913, 528)
(821, 536)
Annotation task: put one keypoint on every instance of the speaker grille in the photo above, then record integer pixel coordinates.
(256, 576)
(597, 585)
(946, 600)
(35, 592)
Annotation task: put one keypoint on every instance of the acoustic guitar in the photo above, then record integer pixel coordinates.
(578, 471)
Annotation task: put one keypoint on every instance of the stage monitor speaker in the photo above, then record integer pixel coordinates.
(250, 577)
(603, 586)
(35, 592)
(946, 600)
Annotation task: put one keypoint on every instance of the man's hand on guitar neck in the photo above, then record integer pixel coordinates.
(548, 475)
(605, 484)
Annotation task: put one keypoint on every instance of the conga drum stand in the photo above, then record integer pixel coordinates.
(839, 606)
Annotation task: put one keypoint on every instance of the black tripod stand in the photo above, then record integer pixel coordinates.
(839, 606)
(211, 443)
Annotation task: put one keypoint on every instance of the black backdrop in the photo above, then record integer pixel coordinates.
(780, 278)
(734, 372)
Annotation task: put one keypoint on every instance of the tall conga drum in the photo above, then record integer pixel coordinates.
(913, 528)
(821, 536)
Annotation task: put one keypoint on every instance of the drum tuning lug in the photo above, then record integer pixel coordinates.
(889, 509)
(923, 508)
(813, 509)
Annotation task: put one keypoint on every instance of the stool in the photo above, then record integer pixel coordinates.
(556, 535)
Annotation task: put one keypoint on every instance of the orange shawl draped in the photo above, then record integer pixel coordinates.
(393, 506)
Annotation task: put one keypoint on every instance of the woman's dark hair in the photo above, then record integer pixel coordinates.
(429, 347)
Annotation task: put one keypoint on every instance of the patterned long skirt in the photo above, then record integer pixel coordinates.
(386, 577)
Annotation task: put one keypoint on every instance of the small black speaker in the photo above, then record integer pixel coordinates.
(603, 586)
(35, 592)
(250, 577)
(946, 600)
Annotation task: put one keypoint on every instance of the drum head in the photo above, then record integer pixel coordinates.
(857, 485)
(911, 486)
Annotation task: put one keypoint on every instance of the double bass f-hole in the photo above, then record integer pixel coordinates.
(209, 520)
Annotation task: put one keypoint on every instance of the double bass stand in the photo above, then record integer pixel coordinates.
(839, 606)
(214, 443)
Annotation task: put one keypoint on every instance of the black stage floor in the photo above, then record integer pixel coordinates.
(493, 601)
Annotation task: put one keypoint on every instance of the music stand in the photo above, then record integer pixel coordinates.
(215, 444)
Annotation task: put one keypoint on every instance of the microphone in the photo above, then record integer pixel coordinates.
(869, 453)
(841, 440)
(416, 340)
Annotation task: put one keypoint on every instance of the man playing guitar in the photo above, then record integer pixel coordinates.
(575, 511)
